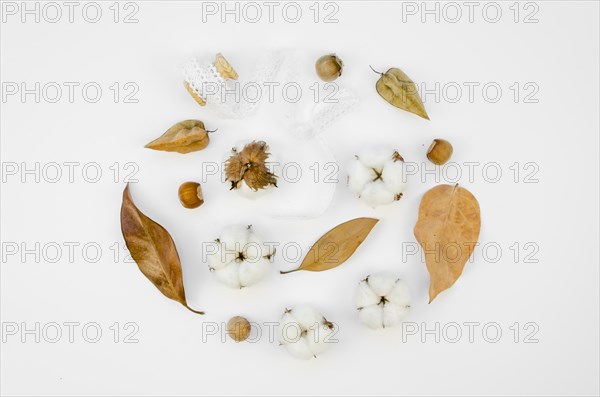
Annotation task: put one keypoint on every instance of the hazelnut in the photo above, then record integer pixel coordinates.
(190, 195)
(439, 151)
(329, 67)
(238, 328)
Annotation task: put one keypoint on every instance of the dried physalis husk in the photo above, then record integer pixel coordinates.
(398, 89)
(249, 166)
(447, 230)
(224, 68)
(184, 137)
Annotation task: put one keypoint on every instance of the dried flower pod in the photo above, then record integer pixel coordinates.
(238, 328)
(184, 137)
(439, 151)
(248, 167)
(399, 90)
(190, 195)
(329, 67)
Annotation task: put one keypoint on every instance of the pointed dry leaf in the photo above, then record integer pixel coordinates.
(224, 68)
(184, 137)
(153, 249)
(337, 245)
(448, 230)
(398, 89)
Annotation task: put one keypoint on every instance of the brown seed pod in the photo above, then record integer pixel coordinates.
(439, 151)
(190, 195)
(238, 328)
(184, 137)
(329, 67)
(250, 166)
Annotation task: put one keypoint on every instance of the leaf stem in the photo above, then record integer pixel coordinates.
(192, 310)
(375, 70)
(288, 271)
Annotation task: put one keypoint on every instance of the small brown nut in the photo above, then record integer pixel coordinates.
(190, 195)
(439, 151)
(329, 67)
(238, 328)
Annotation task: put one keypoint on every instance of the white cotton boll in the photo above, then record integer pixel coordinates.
(219, 259)
(229, 275)
(235, 237)
(289, 330)
(250, 272)
(393, 314)
(365, 296)
(371, 316)
(256, 248)
(400, 294)
(359, 175)
(375, 158)
(300, 349)
(375, 193)
(318, 338)
(382, 283)
(393, 176)
(306, 316)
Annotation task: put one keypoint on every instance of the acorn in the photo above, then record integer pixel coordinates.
(329, 67)
(439, 151)
(238, 329)
(190, 195)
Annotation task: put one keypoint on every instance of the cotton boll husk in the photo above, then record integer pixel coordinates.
(365, 296)
(375, 158)
(306, 316)
(393, 314)
(300, 349)
(375, 193)
(289, 330)
(219, 259)
(234, 238)
(400, 294)
(371, 316)
(382, 283)
(256, 248)
(318, 338)
(359, 175)
(393, 176)
(229, 275)
(253, 271)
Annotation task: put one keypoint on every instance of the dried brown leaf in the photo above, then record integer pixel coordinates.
(154, 251)
(447, 230)
(337, 245)
(184, 137)
(398, 89)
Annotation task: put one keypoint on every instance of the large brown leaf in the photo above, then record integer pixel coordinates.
(448, 230)
(398, 89)
(154, 251)
(337, 245)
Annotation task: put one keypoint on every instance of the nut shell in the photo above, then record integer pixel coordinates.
(329, 67)
(238, 328)
(190, 195)
(439, 151)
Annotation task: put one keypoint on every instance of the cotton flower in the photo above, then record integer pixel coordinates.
(377, 176)
(304, 332)
(382, 300)
(247, 170)
(242, 258)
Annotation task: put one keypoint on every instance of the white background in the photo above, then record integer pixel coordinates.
(558, 214)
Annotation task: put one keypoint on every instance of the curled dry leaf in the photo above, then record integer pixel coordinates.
(250, 166)
(447, 230)
(154, 251)
(398, 89)
(337, 245)
(184, 137)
